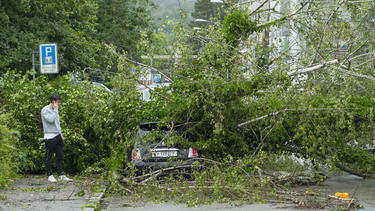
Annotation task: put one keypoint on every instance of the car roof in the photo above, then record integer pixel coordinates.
(154, 125)
(148, 123)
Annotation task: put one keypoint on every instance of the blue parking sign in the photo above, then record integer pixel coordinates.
(48, 58)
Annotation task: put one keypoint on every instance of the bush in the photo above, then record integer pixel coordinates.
(93, 121)
(8, 165)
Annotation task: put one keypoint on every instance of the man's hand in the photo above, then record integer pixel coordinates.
(55, 105)
(62, 137)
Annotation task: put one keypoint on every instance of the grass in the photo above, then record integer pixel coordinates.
(3, 197)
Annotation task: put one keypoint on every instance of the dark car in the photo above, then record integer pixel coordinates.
(151, 150)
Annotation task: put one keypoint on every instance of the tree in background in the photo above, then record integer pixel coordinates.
(121, 21)
(172, 9)
(79, 27)
(26, 24)
(206, 10)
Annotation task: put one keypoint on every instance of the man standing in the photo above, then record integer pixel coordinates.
(53, 138)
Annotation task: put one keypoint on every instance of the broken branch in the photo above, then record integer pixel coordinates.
(354, 73)
(313, 68)
(148, 66)
(263, 117)
(352, 171)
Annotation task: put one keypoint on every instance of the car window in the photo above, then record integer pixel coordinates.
(151, 136)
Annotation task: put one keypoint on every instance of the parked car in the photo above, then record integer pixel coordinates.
(153, 153)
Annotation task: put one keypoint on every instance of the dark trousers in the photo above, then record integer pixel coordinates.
(54, 146)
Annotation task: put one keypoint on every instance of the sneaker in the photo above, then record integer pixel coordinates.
(51, 179)
(64, 178)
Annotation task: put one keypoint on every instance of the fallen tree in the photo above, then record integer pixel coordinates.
(213, 181)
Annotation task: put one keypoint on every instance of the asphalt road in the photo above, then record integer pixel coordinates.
(116, 204)
(35, 193)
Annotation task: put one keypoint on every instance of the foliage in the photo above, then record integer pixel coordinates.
(8, 150)
(326, 116)
(70, 24)
(224, 182)
(94, 122)
(233, 181)
(120, 23)
(237, 25)
(79, 27)
(155, 43)
(202, 96)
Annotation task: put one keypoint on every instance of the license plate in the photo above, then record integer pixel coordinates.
(164, 154)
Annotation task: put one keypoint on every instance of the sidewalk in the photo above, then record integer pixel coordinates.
(35, 193)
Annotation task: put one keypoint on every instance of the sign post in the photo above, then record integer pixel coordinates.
(48, 58)
(33, 63)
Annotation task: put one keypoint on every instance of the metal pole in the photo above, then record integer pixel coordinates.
(33, 63)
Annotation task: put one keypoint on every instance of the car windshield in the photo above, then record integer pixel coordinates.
(154, 132)
(142, 133)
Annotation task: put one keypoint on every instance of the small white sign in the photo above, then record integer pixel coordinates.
(48, 58)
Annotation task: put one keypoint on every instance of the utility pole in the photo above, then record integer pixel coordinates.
(151, 70)
(267, 31)
(266, 41)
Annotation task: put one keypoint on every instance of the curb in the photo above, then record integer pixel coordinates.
(94, 202)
